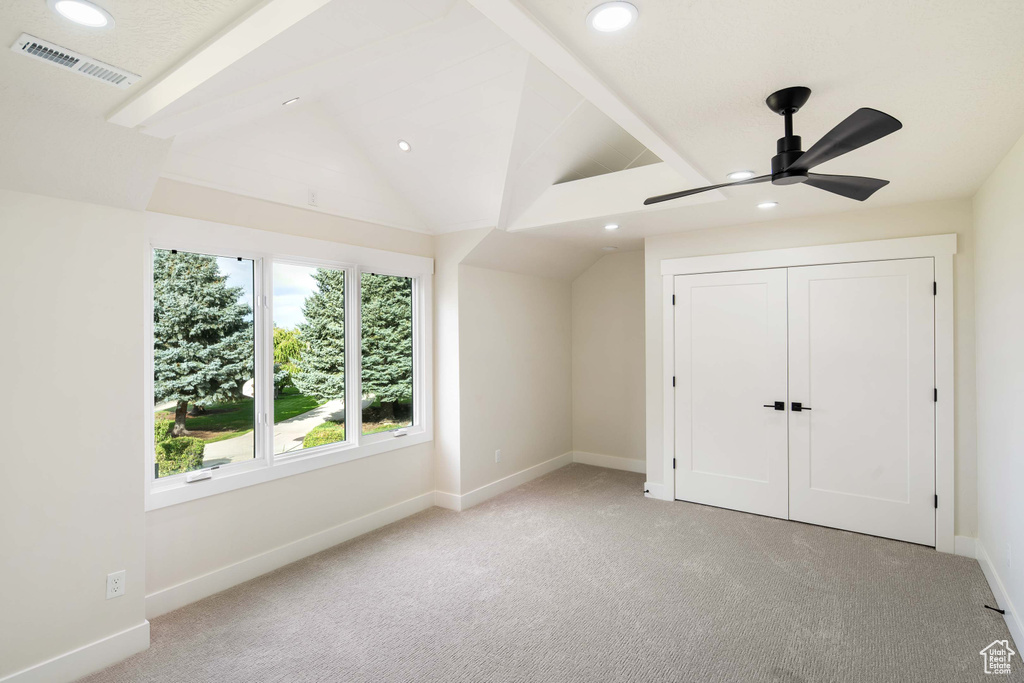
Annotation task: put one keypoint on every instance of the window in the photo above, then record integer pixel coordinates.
(387, 353)
(309, 357)
(203, 361)
(256, 371)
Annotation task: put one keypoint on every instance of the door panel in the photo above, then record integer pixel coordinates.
(730, 359)
(861, 357)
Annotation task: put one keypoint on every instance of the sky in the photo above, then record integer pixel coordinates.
(292, 285)
(239, 275)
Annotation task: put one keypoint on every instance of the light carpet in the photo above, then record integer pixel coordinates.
(577, 577)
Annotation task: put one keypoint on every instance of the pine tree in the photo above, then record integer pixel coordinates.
(202, 334)
(320, 371)
(387, 339)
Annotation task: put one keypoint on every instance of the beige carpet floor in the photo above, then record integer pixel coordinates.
(577, 577)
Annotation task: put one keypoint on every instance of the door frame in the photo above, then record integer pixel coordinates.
(941, 248)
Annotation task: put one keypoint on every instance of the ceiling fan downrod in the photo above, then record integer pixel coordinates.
(787, 102)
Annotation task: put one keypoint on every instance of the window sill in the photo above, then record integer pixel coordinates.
(230, 478)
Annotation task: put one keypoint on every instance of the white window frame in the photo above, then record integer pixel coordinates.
(265, 249)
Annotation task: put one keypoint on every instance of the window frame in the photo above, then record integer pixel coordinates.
(265, 249)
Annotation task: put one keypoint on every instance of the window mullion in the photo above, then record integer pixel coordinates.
(353, 359)
(265, 365)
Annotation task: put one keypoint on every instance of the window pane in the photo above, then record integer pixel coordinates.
(203, 361)
(387, 352)
(309, 357)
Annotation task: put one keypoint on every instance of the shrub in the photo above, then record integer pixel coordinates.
(325, 433)
(179, 454)
(162, 430)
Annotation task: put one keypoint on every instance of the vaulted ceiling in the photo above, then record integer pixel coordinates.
(519, 115)
(490, 127)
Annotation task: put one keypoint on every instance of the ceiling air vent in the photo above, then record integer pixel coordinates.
(68, 59)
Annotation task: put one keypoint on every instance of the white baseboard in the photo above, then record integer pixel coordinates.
(450, 501)
(612, 462)
(87, 659)
(172, 598)
(477, 496)
(1012, 616)
(965, 546)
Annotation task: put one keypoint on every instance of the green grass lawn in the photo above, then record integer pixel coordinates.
(378, 428)
(333, 432)
(233, 419)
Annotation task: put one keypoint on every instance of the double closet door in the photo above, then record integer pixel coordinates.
(807, 393)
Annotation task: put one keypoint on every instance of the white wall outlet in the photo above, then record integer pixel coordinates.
(497, 455)
(313, 199)
(1009, 556)
(115, 584)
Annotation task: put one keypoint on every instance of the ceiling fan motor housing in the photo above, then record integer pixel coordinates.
(789, 151)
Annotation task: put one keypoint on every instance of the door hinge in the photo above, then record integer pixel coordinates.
(936, 395)
(936, 501)
(673, 299)
(673, 463)
(935, 288)
(673, 380)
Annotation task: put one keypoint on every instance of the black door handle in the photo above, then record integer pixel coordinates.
(778, 405)
(798, 407)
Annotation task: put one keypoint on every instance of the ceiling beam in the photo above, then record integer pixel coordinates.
(255, 28)
(605, 196)
(525, 29)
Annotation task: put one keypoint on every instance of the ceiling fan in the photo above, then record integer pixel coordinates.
(792, 165)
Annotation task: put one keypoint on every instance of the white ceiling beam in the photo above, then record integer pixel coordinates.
(264, 22)
(525, 29)
(611, 194)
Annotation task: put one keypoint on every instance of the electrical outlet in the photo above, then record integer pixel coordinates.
(497, 455)
(115, 584)
(1009, 556)
(312, 197)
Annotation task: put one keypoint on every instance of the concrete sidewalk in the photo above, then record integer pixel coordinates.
(288, 435)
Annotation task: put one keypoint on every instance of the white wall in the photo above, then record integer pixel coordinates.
(933, 218)
(71, 415)
(188, 540)
(182, 199)
(514, 371)
(608, 357)
(450, 249)
(999, 302)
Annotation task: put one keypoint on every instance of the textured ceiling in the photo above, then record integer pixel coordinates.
(148, 38)
(53, 129)
(490, 127)
(494, 129)
(699, 72)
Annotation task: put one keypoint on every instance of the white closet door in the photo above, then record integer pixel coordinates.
(730, 360)
(861, 357)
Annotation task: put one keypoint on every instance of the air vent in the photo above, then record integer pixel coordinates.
(31, 46)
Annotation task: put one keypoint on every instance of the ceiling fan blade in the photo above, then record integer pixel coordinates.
(856, 130)
(687, 193)
(851, 186)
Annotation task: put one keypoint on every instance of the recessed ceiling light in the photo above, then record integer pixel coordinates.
(767, 205)
(83, 13)
(609, 248)
(741, 175)
(404, 146)
(291, 101)
(612, 226)
(612, 16)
